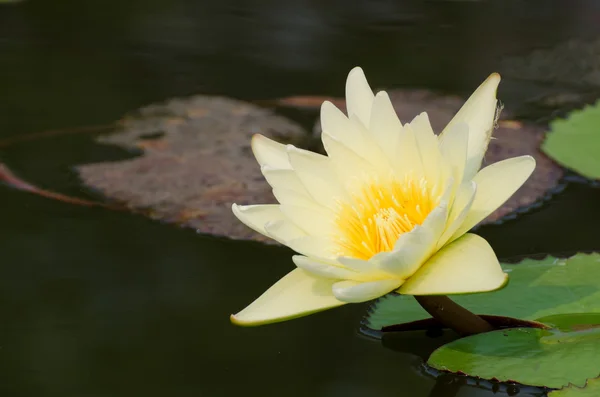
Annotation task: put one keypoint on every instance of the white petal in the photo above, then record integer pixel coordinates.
(413, 248)
(317, 176)
(467, 265)
(479, 113)
(269, 153)
(283, 231)
(295, 295)
(495, 184)
(256, 216)
(359, 96)
(354, 291)
(453, 146)
(384, 124)
(325, 270)
(460, 208)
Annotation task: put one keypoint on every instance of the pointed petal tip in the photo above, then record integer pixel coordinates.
(356, 71)
(240, 321)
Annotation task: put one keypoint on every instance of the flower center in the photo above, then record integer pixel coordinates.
(378, 213)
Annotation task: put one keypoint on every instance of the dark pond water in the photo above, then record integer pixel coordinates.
(98, 303)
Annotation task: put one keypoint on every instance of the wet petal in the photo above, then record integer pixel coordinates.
(295, 295)
(467, 265)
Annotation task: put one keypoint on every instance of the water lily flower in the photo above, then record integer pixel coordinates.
(388, 209)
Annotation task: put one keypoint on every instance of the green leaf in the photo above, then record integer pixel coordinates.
(591, 389)
(536, 289)
(575, 142)
(531, 356)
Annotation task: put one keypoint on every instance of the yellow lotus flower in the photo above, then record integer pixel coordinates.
(387, 210)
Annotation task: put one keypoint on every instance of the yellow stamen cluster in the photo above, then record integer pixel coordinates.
(379, 213)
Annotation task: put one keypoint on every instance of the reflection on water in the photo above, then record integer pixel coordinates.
(95, 303)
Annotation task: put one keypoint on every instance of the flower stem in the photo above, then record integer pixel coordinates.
(453, 316)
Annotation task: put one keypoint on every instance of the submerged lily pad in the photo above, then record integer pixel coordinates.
(575, 141)
(195, 162)
(591, 389)
(531, 356)
(511, 138)
(536, 289)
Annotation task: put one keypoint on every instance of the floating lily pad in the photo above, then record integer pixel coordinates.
(195, 162)
(591, 389)
(546, 358)
(536, 289)
(510, 139)
(575, 141)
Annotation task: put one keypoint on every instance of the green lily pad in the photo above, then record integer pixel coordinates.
(531, 356)
(591, 389)
(536, 289)
(575, 141)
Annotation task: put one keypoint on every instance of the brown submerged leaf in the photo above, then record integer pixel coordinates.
(196, 162)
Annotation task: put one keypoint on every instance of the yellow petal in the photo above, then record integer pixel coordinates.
(325, 270)
(427, 143)
(313, 220)
(352, 133)
(335, 122)
(460, 209)
(495, 184)
(270, 153)
(359, 96)
(453, 146)
(283, 231)
(355, 291)
(467, 265)
(384, 124)
(346, 162)
(297, 294)
(316, 247)
(479, 113)
(284, 179)
(408, 159)
(318, 176)
(256, 216)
